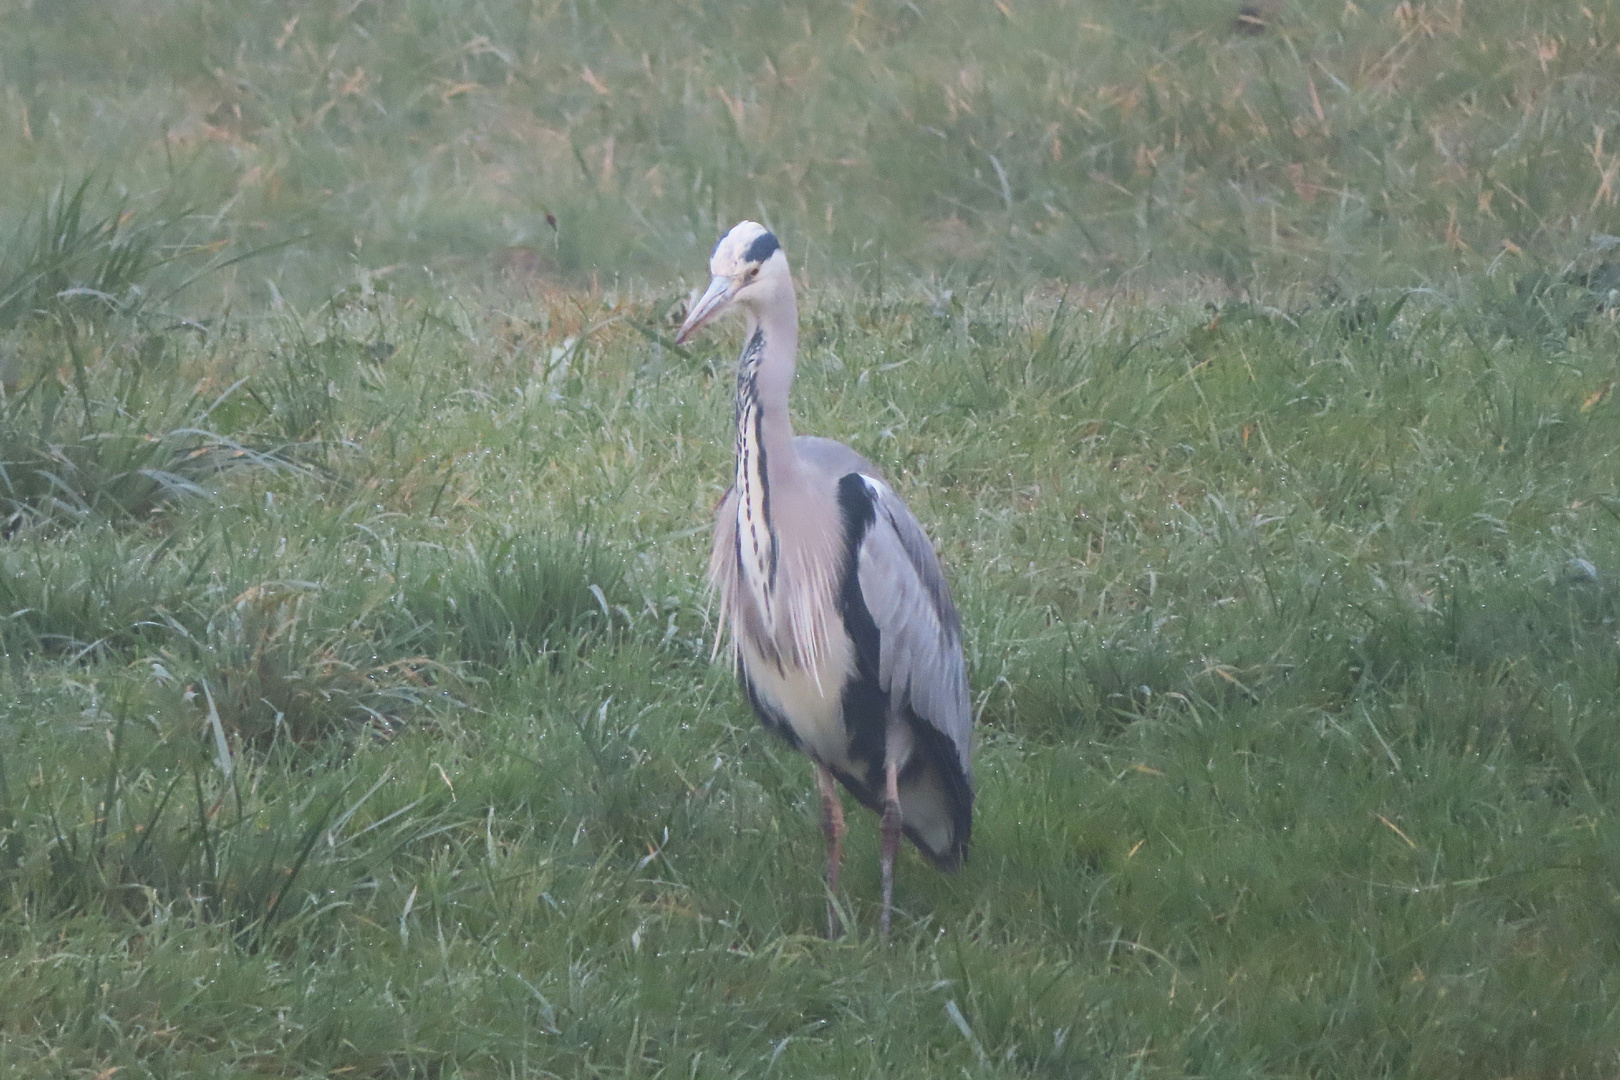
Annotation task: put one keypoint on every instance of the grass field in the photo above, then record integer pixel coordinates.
(357, 709)
(1355, 144)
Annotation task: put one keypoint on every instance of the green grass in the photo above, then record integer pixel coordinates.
(1293, 636)
(357, 708)
(1347, 144)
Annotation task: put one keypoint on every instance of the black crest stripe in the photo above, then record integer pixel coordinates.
(762, 248)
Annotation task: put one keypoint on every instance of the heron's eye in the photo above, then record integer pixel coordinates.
(753, 272)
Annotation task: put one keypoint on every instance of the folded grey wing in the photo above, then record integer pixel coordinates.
(920, 638)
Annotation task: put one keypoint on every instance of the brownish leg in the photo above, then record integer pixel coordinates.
(891, 839)
(832, 826)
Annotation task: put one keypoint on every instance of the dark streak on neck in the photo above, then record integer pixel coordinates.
(748, 398)
(748, 362)
(765, 492)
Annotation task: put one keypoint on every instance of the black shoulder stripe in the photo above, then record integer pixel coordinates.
(762, 248)
(865, 703)
(855, 500)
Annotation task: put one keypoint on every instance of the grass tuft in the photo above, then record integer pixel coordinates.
(523, 596)
(71, 265)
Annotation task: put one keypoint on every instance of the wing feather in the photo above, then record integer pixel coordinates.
(920, 657)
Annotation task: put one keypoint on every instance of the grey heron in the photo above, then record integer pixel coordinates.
(839, 619)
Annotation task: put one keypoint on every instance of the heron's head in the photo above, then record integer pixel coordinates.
(748, 268)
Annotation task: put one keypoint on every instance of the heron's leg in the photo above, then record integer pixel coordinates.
(891, 838)
(832, 826)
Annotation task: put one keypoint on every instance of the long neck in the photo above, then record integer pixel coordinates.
(767, 465)
(765, 370)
